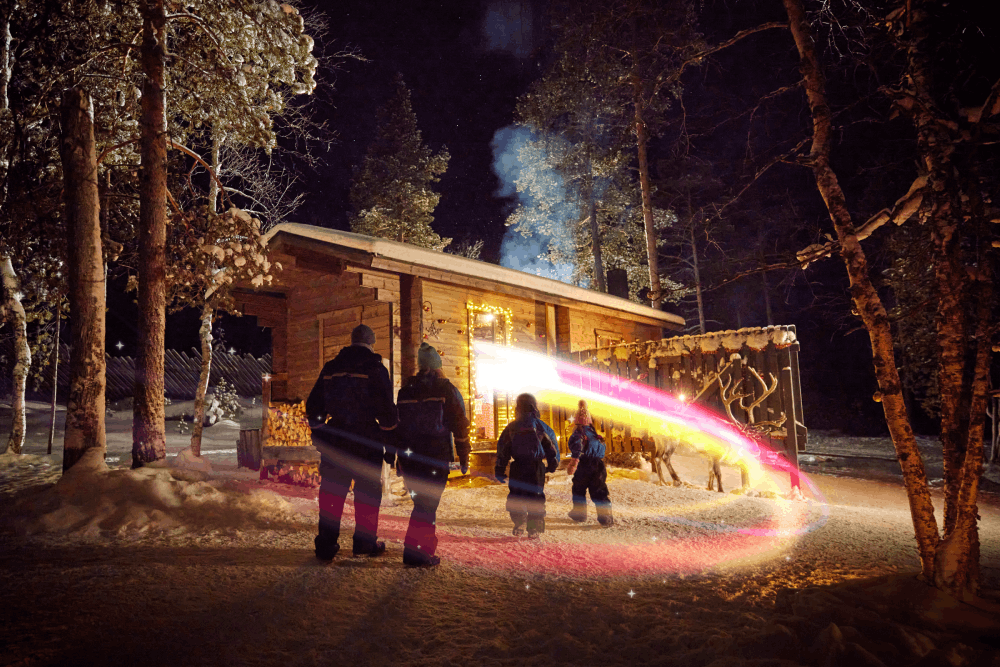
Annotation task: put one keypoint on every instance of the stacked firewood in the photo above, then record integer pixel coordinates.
(287, 425)
(297, 474)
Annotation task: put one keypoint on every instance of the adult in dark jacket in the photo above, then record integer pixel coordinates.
(431, 412)
(531, 444)
(350, 409)
(586, 448)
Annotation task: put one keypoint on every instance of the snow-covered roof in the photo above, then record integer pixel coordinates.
(442, 261)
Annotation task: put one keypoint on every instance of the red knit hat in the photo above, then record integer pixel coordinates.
(582, 417)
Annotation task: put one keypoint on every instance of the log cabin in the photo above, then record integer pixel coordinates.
(330, 281)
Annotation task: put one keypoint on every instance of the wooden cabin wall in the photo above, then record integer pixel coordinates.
(387, 290)
(449, 302)
(579, 329)
(271, 311)
(310, 294)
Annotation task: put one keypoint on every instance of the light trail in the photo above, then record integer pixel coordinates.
(556, 382)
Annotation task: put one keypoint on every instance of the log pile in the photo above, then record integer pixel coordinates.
(287, 425)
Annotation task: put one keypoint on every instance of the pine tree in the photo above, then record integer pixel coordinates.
(576, 178)
(391, 193)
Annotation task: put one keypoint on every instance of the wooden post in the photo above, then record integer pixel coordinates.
(791, 418)
(800, 422)
(265, 402)
(551, 349)
(55, 380)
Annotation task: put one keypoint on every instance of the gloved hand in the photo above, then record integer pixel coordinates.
(571, 468)
(552, 466)
(390, 456)
(464, 462)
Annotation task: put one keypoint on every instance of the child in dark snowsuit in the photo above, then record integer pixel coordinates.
(531, 444)
(587, 467)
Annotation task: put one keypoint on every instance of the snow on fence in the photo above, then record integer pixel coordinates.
(180, 374)
(748, 375)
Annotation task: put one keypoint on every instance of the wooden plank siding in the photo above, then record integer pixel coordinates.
(337, 302)
(445, 325)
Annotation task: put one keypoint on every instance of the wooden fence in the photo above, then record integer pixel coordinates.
(760, 363)
(180, 373)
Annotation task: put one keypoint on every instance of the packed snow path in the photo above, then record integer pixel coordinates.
(170, 566)
(236, 583)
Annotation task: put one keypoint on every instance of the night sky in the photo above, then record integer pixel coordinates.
(466, 63)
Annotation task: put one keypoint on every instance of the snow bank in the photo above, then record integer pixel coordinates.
(186, 460)
(92, 501)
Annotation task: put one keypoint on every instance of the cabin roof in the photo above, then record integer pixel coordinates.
(472, 268)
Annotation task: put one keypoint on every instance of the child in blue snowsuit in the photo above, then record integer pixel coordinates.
(532, 445)
(588, 470)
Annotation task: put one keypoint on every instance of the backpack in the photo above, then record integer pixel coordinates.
(525, 444)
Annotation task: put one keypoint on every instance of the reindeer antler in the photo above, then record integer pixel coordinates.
(767, 392)
(727, 401)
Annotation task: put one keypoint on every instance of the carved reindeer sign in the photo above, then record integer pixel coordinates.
(730, 391)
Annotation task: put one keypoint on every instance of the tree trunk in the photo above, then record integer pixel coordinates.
(85, 404)
(55, 380)
(936, 142)
(956, 566)
(595, 230)
(148, 435)
(697, 282)
(647, 199)
(205, 334)
(5, 59)
(956, 217)
(767, 299)
(10, 299)
(213, 183)
(864, 296)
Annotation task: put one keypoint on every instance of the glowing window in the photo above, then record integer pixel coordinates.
(489, 412)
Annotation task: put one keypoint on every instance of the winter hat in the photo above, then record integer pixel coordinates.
(526, 404)
(428, 358)
(362, 335)
(582, 417)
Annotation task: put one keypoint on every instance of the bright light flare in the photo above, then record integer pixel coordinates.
(644, 408)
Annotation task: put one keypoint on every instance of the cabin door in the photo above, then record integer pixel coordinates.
(490, 411)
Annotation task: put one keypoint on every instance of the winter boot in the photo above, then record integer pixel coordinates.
(372, 551)
(536, 527)
(578, 513)
(325, 553)
(416, 558)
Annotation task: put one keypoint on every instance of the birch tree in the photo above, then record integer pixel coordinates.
(241, 64)
(209, 253)
(950, 195)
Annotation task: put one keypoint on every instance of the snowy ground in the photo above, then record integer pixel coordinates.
(171, 566)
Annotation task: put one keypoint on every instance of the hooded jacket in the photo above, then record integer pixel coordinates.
(524, 439)
(586, 443)
(353, 394)
(431, 411)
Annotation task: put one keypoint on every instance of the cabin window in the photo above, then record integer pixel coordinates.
(489, 411)
(608, 338)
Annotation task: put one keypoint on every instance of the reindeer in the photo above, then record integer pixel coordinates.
(666, 443)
